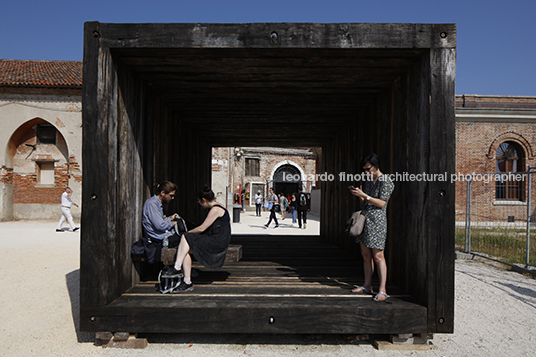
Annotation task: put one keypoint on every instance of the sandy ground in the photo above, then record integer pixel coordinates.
(39, 274)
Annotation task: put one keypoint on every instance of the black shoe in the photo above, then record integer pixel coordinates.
(183, 287)
(276, 226)
(266, 225)
(59, 230)
(75, 229)
(173, 273)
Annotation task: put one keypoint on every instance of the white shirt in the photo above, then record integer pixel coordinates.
(258, 198)
(66, 200)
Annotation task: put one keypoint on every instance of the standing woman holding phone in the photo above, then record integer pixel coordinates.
(375, 194)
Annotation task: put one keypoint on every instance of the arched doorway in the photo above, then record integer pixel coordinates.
(287, 179)
(38, 157)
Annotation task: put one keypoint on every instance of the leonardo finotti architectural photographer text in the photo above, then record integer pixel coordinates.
(407, 177)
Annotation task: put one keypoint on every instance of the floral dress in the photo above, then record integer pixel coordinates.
(375, 231)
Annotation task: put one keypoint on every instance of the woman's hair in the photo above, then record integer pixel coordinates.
(372, 159)
(206, 193)
(166, 186)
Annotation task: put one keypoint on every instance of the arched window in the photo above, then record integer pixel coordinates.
(510, 158)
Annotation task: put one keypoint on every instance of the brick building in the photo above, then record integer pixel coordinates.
(495, 135)
(252, 169)
(40, 137)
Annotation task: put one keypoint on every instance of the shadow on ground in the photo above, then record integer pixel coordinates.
(73, 285)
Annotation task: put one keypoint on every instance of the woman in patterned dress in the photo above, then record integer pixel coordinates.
(374, 194)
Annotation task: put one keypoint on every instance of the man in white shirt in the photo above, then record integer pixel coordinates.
(66, 204)
(258, 203)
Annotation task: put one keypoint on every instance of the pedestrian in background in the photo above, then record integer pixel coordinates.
(258, 203)
(284, 204)
(272, 198)
(294, 209)
(304, 206)
(66, 203)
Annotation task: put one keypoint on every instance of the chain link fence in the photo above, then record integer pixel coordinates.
(496, 218)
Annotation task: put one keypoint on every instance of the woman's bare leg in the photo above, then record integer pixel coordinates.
(368, 266)
(182, 252)
(379, 259)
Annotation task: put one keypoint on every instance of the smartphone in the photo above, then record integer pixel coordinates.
(351, 187)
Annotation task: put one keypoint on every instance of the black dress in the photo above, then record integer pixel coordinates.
(210, 247)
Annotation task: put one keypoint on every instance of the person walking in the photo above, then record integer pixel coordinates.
(272, 198)
(375, 194)
(66, 204)
(294, 209)
(304, 206)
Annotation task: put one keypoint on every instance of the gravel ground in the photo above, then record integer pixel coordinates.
(495, 311)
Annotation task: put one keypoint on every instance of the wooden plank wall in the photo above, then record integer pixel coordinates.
(109, 187)
(115, 186)
(191, 168)
(442, 208)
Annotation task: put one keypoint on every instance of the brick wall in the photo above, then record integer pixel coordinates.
(6, 175)
(268, 159)
(27, 190)
(476, 147)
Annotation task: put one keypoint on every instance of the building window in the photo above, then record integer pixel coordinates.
(253, 167)
(509, 160)
(46, 134)
(45, 173)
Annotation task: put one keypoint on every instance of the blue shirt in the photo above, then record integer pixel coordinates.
(155, 224)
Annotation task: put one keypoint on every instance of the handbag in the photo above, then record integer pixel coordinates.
(355, 224)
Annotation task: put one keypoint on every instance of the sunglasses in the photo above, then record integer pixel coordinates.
(366, 169)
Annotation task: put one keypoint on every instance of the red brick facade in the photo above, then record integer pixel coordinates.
(483, 123)
(269, 160)
(27, 190)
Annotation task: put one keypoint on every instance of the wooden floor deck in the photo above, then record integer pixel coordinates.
(298, 284)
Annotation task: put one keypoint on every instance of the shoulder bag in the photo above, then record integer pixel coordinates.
(355, 224)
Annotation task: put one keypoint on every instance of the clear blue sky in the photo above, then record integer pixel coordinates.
(496, 38)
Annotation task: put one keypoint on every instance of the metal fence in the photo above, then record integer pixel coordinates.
(496, 218)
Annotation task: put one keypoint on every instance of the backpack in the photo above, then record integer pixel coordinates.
(303, 199)
(180, 226)
(166, 285)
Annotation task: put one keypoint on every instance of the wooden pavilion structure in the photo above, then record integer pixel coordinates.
(158, 97)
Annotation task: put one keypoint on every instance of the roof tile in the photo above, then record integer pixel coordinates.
(22, 73)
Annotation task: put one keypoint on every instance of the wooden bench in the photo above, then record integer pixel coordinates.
(234, 254)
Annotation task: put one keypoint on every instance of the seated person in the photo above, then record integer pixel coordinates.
(156, 226)
(208, 242)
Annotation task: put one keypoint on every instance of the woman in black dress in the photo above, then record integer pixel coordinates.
(208, 242)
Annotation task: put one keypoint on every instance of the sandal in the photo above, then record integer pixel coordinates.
(363, 290)
(377, 297)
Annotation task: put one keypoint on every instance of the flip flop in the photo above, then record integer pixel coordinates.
(363, 290)
(377, 297)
